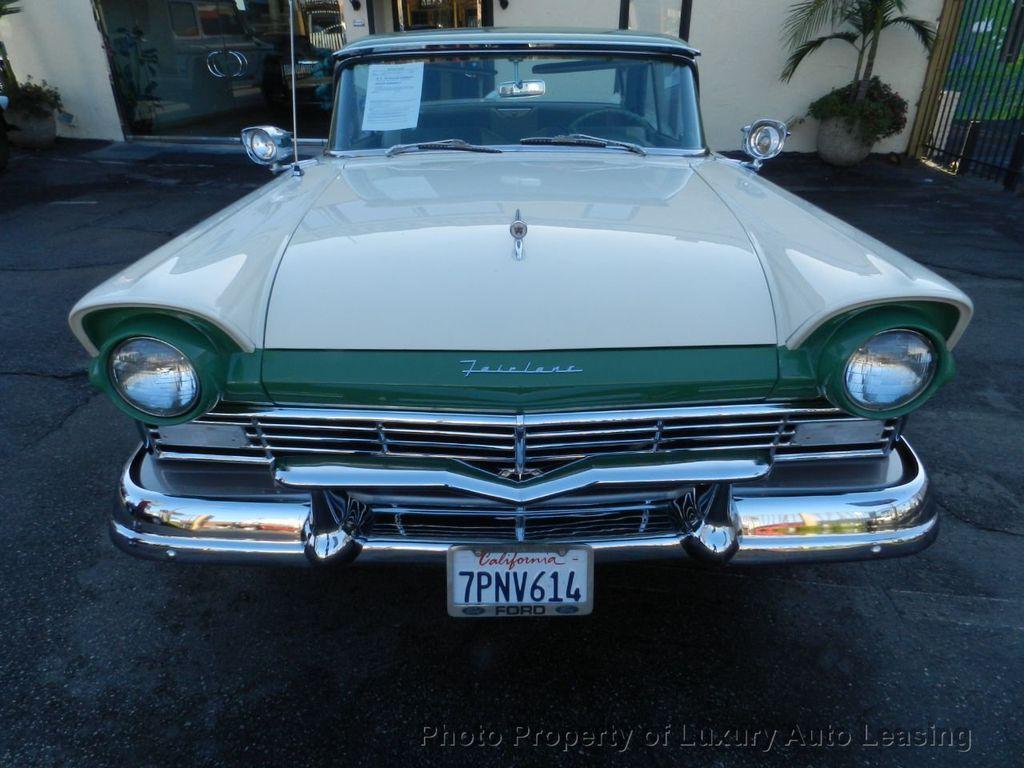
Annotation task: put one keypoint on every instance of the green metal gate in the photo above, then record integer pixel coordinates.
(973, 121)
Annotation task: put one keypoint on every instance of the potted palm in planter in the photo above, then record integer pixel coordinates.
(855, 116)
(32, 115)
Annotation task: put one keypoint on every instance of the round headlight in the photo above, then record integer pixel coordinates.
(154, 377)
(262, 146)
(890, 369)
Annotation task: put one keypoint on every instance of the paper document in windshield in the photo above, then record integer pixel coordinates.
(393, 93)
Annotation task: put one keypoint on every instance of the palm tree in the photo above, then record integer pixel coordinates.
(860, 23)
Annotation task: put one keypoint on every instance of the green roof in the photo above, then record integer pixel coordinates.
(498, 36)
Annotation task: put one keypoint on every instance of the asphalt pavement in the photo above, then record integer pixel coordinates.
(107, 660)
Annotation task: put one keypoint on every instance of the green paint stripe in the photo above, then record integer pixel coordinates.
(619, 378)
(575, 379)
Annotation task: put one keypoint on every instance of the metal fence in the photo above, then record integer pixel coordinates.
(975, 122)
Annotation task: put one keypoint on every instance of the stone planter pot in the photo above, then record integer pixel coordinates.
(838, 145)
(31, 131)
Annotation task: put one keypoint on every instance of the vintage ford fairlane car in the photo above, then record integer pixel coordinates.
(518, 318)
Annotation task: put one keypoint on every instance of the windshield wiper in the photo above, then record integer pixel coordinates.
(457, 144)
(584, 140)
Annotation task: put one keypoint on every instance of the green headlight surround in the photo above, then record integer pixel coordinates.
(204, 350)
(851, 335)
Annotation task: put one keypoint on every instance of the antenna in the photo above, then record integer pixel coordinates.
(296, 168)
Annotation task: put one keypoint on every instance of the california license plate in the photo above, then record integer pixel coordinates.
(524, 580)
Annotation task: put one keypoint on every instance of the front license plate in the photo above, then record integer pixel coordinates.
(533, 580)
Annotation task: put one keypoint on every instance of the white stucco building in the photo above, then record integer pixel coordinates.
(203, 68)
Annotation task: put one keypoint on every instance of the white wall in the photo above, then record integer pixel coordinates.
(357, 23)
(60, 42)
(597, 14)
(742, 56)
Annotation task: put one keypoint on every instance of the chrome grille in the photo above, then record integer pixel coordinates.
(575, 519)
(523, 446)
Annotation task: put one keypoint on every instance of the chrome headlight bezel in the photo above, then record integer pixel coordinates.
(191, 382)
(923, 376)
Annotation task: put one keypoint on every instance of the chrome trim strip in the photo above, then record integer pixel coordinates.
(442, 418)
(757, 550)
(360, 477)
(652, 151)
(607, 550)
(210, 549)
(212, 141)
(878, 450)
(768, 525)
(236, 458)
(539, 42)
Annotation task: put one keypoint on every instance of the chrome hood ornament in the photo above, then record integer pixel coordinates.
(518, 230)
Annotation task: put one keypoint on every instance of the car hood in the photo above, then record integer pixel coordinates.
(415, 253)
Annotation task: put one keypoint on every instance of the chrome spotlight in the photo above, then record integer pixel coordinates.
(265, 144)
(763, 139)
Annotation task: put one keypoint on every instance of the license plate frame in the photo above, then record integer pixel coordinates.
(526, 608)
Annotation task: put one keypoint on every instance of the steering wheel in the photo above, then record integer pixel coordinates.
(624, 119)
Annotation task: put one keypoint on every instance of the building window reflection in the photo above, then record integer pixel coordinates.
(438, 14)
(212, 67)
(208, 68)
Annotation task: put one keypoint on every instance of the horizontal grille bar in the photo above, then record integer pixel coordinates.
(523, 446)
(509, 525)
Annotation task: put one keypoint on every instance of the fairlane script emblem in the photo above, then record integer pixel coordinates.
(472, 367)
(518, 229)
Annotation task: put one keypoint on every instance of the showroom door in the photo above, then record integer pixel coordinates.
(208, 68)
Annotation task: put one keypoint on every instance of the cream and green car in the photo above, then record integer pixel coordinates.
(518, 319)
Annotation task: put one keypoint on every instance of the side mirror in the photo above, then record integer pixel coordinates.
(266, 145)
(762, 140)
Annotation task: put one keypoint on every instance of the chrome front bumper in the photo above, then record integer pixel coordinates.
(821, 518)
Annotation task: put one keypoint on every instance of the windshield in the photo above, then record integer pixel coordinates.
(502, 100)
